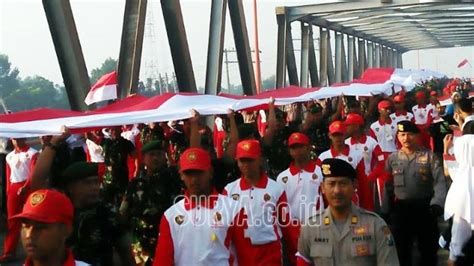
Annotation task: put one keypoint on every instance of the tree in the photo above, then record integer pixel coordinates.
(35, 92)
(269, 83)
(108, 66)
(9, 80)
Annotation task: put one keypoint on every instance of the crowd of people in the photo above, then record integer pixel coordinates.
(341, 181)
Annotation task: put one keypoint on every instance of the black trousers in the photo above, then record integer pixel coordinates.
(412, 220)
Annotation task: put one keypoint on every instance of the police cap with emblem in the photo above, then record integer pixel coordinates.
(337, 168)
(407, 126)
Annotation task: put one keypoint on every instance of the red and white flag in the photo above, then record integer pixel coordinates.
(104, 89)
(463, 63)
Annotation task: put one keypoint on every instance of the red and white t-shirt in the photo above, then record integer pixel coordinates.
(385, 133)
(267, 217)
(423, 114)
(363, 196)
(302, 190)
(401, 116)
(370, 149)
(20, 164)
(197, 233)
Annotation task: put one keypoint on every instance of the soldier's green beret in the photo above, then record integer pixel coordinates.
(337, 168)
(407, 126)
(78, 171)
(152, 145)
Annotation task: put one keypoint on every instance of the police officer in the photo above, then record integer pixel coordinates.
(344, 234)
(147, 198)
(46, 222)
(414, 196)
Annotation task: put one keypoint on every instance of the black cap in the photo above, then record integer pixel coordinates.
(78, 171)
(407, 126)
(337, 168)
(152, 145)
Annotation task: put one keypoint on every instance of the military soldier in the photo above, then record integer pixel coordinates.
(344, 234)
(414, 196)
(116, 151)
(147, 198)
(275, 142)
(97, 228)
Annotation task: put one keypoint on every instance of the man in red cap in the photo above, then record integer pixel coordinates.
(340, 150)
(19, 165)
(371, 153)
(400, 113)
(46, 221)
(265, 211)
(300, 180)
(199, 229)
(385, 129)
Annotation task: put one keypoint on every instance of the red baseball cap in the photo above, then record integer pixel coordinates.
(248, 149)
(47, 206)
(194, 159)
(337, 127)
(399, 98)
(354, 119)
(298, 138)
(385, 104)
(420, 95)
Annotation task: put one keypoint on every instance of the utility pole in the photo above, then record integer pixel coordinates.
(227, 62)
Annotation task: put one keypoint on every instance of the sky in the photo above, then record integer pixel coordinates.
(26, 39)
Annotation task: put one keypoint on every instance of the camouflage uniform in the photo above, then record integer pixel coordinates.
(319, 138)
(277, 154)
(116, 175)
(96, 232)
(148, 134)
(145, 201)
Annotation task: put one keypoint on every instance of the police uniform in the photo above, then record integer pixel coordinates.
(145, 201)
(414, 197)
(364, 238)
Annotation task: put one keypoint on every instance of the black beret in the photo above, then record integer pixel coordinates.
(78, 171)
(152, 145)
(337, 168)
(407, 126)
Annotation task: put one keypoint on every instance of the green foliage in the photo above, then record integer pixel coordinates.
(8, 77)
(30, 92)
(108, 66)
